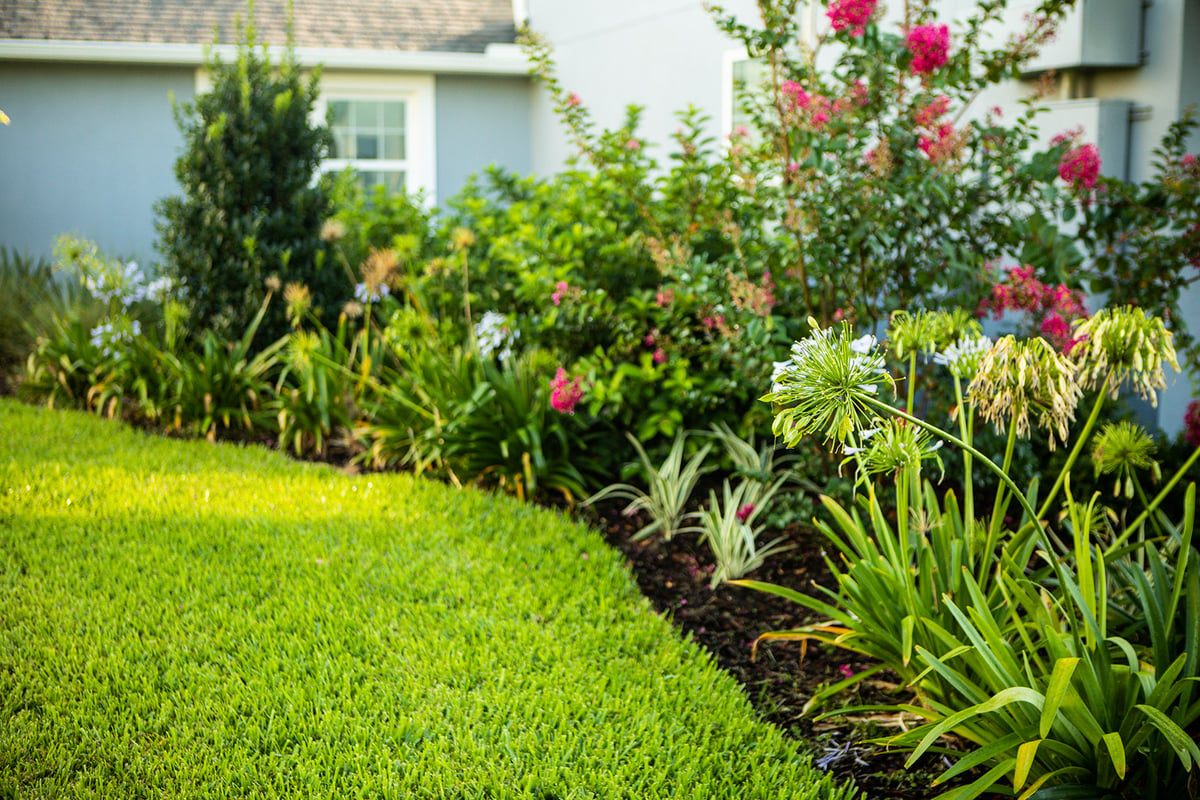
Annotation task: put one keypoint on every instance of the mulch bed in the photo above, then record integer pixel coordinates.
(781, 676)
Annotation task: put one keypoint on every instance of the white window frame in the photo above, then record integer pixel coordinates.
(417, 92)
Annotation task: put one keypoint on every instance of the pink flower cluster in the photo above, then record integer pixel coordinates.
(930, 113)
(1080, 167)
(560, 291)
(816, 106)
(850, 14)
(564, 392)
(941, 145)
(1053, 309)
(664, 297)
(1191, 424)
(930, 47)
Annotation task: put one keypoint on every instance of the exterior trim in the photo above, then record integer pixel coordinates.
(498, 59)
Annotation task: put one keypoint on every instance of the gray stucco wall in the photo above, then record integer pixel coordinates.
(481, 121)
(89, 150)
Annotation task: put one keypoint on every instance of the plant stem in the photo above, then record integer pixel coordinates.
(1000, 473)
(1076, 450)
(1158, 498)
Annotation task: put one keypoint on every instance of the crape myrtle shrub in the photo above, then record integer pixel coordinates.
(249, 207)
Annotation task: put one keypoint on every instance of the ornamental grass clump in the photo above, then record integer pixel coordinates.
(1054, 645)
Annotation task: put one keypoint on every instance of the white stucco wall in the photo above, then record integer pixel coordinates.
(660, 54)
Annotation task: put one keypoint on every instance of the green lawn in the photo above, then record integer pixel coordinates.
(182, 619)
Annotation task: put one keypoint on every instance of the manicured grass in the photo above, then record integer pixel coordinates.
(182, 619)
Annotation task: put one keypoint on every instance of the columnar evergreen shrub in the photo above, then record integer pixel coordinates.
(249, 207)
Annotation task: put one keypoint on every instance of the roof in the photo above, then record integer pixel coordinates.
(458, 26)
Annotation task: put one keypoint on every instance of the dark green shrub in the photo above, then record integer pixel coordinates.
(249, 208)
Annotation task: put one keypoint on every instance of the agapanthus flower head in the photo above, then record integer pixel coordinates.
(825, 386)
(851, 15)
(1020, 379)
(896, 446)
(1121, 449)
(929, 331)
(332, 230)
(298, 300)
(1080, 167)
(493, 335)
(964, 356)
(930, 47)
(377, 271)
(1123, 346)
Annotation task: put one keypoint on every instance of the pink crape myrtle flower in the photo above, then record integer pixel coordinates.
(660, 356)
(564, 392)
(939, 148)
(1080, 167)
(633, 144)
(929, 114)
(930, 47)
(573, 100)
(1191, 424)
(560, 290)
(797, 97)
(852, 15)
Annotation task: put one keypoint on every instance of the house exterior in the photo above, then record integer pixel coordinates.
(425, 92)
(422, 94)
(1125, 71)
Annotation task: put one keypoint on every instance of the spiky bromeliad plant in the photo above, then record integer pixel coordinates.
(1066, 654)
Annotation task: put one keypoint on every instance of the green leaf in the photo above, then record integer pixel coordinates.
(1056, 691)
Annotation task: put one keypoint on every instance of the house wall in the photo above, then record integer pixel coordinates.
(89, 150)
(660, 54)
(481, 122)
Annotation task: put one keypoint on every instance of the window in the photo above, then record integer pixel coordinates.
(370, 137)
(382, 127)
(744, 76)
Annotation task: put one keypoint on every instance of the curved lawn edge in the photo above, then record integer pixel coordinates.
(183, 618)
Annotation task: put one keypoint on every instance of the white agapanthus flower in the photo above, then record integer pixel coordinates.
(365, 295)
(964, 356)
(493, 335)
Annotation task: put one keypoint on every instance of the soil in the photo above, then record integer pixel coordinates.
(780, 677)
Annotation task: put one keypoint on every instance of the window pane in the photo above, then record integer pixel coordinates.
(340, 113)
(393, 145)
(366, 146)
(393, 181)
(393, 115)
(366, 114)
(343, 145)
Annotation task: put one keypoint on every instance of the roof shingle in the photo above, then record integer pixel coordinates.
(462, 26)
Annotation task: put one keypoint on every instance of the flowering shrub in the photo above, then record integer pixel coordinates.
(1052, 311)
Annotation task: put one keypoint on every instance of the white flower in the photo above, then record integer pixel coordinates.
(864, 345)
(964, 356)
(492, 334)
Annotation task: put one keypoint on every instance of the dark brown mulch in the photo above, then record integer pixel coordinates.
(784, 675)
